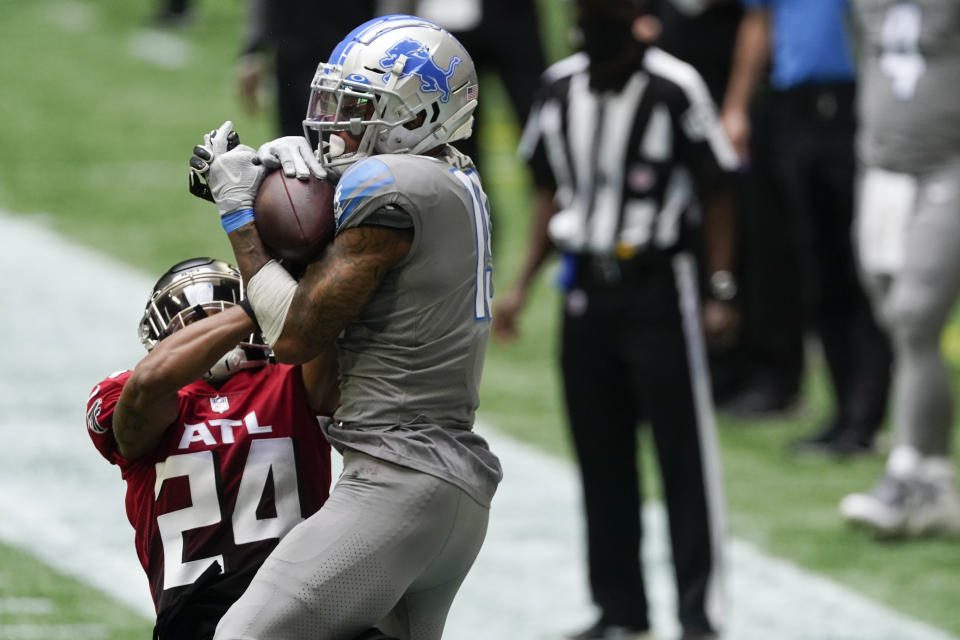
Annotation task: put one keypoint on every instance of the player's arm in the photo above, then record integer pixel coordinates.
(148, 403)
(705, 149)
(300, 319)
(539, 248)
(750, 57)
(321, 380)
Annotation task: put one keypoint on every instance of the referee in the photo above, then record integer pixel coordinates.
(630, 138)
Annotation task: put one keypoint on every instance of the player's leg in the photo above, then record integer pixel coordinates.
(600, 409)
(422, 611)
(342, 570)
(676, 388)
(915, 301)
(916, 309)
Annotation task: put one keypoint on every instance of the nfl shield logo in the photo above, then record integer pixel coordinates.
(219, 404)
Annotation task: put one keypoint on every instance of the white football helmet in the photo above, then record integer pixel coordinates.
(402, 82)
(191, 290)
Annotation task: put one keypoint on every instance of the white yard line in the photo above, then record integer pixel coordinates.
(68, 317)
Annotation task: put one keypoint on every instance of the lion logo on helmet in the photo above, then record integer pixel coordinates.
(419, 63)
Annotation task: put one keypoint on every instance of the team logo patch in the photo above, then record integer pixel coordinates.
(419, 62)
(219, 404)
(93, 417)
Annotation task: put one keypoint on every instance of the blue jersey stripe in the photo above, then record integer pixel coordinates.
(359, 183)
(355, 201)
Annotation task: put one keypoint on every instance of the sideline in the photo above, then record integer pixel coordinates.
(68, 318)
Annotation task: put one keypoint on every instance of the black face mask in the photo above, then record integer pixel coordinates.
(614, 53)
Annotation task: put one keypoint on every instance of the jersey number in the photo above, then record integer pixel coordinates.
(483, 296)
(266, 455)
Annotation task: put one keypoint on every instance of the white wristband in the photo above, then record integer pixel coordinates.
(270, 292)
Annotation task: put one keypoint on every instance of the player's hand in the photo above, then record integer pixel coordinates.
(736, 124)
(292, 154)
(721, 323)
(505, 315)
(233, 174)
(250, 72)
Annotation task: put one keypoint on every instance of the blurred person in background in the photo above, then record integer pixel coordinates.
(703, 33)
(284, 39)
(630, 139)
(908, 234)
(812, 160)
(172, 13)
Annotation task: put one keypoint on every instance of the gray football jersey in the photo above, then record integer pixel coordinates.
(410, 363)
(909, 78)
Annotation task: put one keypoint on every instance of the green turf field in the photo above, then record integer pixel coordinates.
(95, 141)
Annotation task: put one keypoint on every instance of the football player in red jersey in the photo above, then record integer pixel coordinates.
(219, 446)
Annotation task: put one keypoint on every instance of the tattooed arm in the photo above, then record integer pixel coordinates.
(333, 290)
(148, 403)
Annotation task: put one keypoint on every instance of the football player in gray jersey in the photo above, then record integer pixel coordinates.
(405, 291)
(908, 231)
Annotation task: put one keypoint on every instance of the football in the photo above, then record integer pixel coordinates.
(294, 217)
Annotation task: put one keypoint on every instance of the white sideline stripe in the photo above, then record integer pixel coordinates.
(69, 318)
(160, 48)
(26, 606)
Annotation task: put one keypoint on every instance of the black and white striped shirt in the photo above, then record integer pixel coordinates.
(627, 165)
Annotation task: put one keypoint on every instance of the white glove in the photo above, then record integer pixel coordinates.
(294, 155)
(233, 176)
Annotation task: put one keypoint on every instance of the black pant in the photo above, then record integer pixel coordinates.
(625, 358)
(813, 164)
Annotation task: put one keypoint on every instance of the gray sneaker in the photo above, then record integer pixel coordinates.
(934, 501)
(883, 509)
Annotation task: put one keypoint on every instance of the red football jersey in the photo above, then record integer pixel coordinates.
(241, 466)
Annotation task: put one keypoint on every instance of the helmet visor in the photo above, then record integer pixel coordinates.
(341, 109)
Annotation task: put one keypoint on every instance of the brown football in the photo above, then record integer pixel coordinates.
(294, 217)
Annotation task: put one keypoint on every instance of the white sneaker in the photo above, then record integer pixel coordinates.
(934, 501)
(883, 509)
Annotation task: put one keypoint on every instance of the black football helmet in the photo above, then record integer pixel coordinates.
(191, 290)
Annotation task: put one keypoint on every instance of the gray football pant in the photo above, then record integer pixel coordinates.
(914, 305)
(388, 549)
